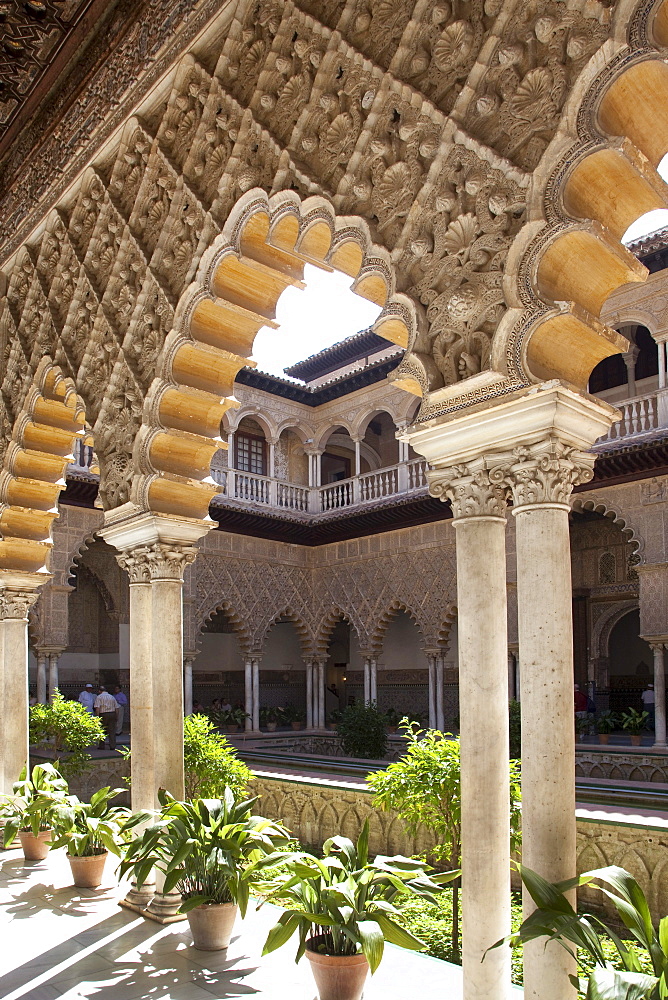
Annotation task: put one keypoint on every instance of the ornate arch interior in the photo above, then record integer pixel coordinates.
(600, 634)
(262, 250)
(603, 507)
(377, 635)
(301, 628)
(235, 620)
(329, 622)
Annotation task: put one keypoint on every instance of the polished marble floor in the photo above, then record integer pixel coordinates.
(57, 941)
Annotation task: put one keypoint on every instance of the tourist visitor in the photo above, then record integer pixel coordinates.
(106, 707)
(226, 707)
(122, 701)
(32, 700)
(649, 703)
(198, 708)
(580, 703)
(87, 698)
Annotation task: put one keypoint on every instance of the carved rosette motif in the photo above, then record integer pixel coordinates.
(16, 604)
(473, 491)
(161, 561)
(547, 472)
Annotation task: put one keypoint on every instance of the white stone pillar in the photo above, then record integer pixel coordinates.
(15, 604)
(367, 680)
(309, 693)
(431, 660)
(41, 678)
(440, 693)
(321, 693)
(373, 681)
(663, 362)
(542, 480)
(659, 695)
(479, 504)
(358, 457)
(256, 694)
(188, 685)
(630, 357)
(53, 674)
(248, 694)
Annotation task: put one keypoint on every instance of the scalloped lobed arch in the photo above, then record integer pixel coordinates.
(262, 250)
(327, 626)
(236, 621)
(51, 420)
(305, 637)
(605, 508)
(377, 633)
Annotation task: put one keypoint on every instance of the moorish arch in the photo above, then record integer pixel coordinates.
(619, 518)
(239, 626)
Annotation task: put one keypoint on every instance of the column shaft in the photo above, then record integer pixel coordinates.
(142, 787)
(248, 694)
(432, 691)
(167, 632)
(659, 695)
(256, 695)
(14, 742)
(367, 680)
(188, 686)
(53, 674)
(321, 694)
(309, 695)
(373, 681)
(440, 694)
(544, 597)
(483, 666)
(41, 679)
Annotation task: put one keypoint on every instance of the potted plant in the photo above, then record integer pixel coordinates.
(334, 718)
(605, 724)
(582, 727)
(232, 719)
(393, 719)
(270, 717)
(67, 730)
(28, 811)
(211, 851)
(343, 907)
(634, 723)
(89, 831)
(295, 716)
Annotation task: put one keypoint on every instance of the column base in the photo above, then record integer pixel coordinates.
(660, 745)
(139, 898)
(164, 909)
(157, 918)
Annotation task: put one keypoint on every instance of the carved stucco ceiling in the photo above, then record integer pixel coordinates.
(38, 38)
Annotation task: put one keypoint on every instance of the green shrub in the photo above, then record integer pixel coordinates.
(515, 717)
(211, 763)
(72, 729)
(362, 731)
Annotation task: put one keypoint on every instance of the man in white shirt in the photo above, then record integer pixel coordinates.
(106, 707)
(87, 698)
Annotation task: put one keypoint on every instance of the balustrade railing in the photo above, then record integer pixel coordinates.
(640, 415)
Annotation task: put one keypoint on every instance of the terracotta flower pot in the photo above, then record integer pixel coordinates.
(604, 737)
(271, 727)
(296, 725)
(635, 739)
(211, 925)
(87, 871)
(338, 977)
(35, 848)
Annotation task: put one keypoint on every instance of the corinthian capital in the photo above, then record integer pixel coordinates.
(160, 561)
(16, 603)
(546, 472)
(478, 489)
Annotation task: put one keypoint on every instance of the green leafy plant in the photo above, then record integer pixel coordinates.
(72, 729)
(362, 731)
(271, 715)
(607, 722)
(292, 714)
(34, 798)
(392, 717)
(424, 788)
(582, 725)
(515, 729)
(335, 716)
(343, 903)
(210, 850)
(633, 721)
(88, 828)
(230, 717)
(555, 919)
(211, 764)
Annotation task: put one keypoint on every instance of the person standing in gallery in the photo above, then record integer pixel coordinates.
(122, 701)
(87, 698)
(106, 707)
(649, 703)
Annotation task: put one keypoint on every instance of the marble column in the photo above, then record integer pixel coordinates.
(542, 480)
(440, 693)
(248, 694)
(431, 660)
(41, 678)
(373, 681)
(367, 679)
(478, 499)
(308, 667)
(53, 674)
(256, 694)
(659, 694)
(15, 604)
(322, 674)
(188, 685)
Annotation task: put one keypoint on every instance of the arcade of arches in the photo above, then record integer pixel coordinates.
(473, 169)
